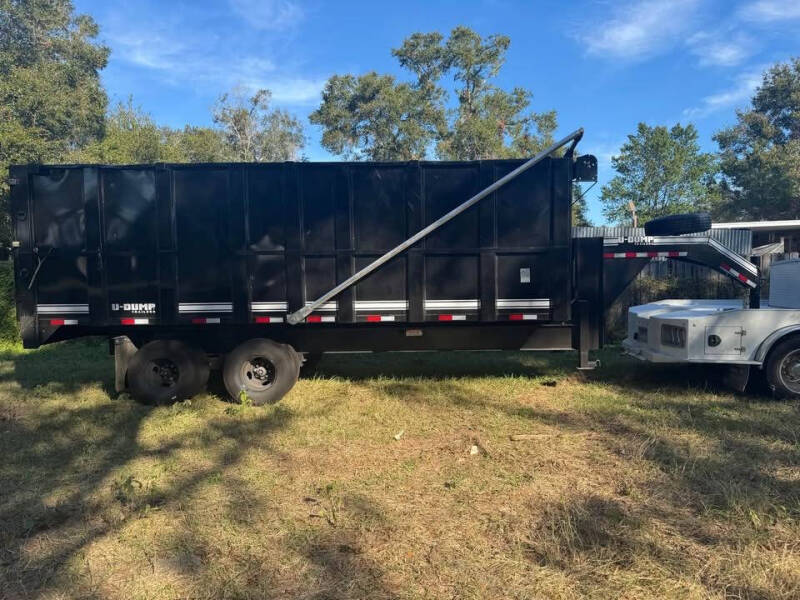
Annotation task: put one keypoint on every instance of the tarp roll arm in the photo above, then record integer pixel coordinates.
(302, 313)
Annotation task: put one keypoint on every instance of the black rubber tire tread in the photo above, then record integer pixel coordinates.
(192, 366)
(284, 358)
(773, 364)
(678, 224)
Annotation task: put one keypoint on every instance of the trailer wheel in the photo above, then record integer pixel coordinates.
(783, 369)
(262, 370)
(163, 371)
(678, 224)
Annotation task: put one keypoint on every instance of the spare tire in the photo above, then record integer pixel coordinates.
(678, 224)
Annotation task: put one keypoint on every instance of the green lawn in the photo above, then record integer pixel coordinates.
(638, 482)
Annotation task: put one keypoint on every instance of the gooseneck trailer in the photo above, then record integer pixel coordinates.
(265, 264)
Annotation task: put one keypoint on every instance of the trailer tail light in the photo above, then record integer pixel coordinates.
(672, 335)
(132, 321)
(206, 321)
(522, 317)
(379, 318)
(452, 317)
(63, 321)
(264, 320)
(320, 319)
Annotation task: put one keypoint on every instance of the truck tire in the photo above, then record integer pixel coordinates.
(260, 371)
(163, 371)
(678, 224)
(783, 369)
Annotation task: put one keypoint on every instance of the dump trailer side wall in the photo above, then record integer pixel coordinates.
(225, 251)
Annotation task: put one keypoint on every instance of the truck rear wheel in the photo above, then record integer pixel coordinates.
(262, 371)
(783, 369)
(163, 371)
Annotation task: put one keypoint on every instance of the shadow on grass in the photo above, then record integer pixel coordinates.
(67, 474)
(443, 365)
(66, 366)
(728, 459)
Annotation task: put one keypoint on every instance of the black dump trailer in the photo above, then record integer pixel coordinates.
(178, 264)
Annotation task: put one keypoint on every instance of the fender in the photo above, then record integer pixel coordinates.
(772, 339)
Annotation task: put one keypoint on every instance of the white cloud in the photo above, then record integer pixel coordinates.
(294, 90)
(738, 94)
(276, 15)
(721, 50)
(767, 11)
(640, 29)
(209, 60)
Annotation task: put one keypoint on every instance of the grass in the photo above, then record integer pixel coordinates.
(639, 482)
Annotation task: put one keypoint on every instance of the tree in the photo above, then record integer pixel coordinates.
(375, 116)
(51, 98)
(661, 171)
(579, 208)
(255, 133)
(131, 137)
(760, 155)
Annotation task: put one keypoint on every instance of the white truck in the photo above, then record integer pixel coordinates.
(736, 333)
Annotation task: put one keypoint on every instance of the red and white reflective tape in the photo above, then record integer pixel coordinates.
(320, 319)
(269, 319)
(743, 278)
(205, 321)
(452, 317)
(522, 317)
(63, 321)
(132, 321)
(667, 254)
(379, 318)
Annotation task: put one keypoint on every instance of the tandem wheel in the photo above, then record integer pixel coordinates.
(164, 371)
(260, 371)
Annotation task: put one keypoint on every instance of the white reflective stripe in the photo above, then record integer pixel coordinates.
(667, 254)
(222, 307)
(530, 317)
(327, 307)
(738, 275)
(51, 309)
(459, 317)
(129, 321)
(212, 320)
(507, 303)
(328, 319)
(452, 304)
(362, 305)
(268, 306)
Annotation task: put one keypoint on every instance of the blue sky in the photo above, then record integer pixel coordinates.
(604, 65)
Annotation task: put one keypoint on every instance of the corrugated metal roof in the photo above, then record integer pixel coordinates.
(737, 240)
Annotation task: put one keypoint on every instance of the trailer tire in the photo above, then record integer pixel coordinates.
(163, 371)
(678, 224)
(783, 369)
(261, 370)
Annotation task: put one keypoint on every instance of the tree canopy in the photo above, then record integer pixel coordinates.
(254, 132)
(376, 117)
(760, 154)
(51, 97)
(661, 171)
